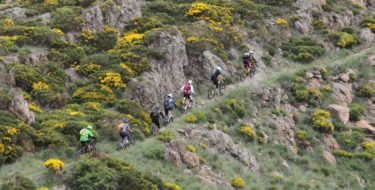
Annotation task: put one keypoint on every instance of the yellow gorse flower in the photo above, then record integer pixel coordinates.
(37, 86)
(112, 79)
(58, 32)
(54, 164)
(281, 22)
(8, 22)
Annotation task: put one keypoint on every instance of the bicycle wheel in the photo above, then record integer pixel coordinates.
(80, 152)
(242, 77)
(211, 93)
(221, 88)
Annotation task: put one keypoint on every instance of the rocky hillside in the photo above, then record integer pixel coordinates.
(306, 120)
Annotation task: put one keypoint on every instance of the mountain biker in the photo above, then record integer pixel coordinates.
(155, 115)
(249, 60)
(188, 90)
(215, 75)
(125, 129)
(85, 135)
(169, 104)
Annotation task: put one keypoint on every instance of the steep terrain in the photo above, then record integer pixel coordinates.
(304, 121)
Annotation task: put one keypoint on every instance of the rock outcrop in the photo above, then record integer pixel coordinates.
(117, 14)
(20, 108)
(166, 76)
(329, 157)
(14, 13)
(343, 92)
(365, 126)
(340, 112)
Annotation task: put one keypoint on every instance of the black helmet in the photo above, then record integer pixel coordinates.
(126, 120)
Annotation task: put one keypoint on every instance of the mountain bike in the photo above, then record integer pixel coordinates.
(169, 118)
(213, 91)
(89, 147)
(187, 103)
(249, 71)
(126, 142)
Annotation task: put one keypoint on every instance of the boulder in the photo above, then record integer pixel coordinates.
(309, 4)
(370, 111)
(340, 112)
(14, 13)
(191, 159)
(344, 77)
(72, 75)
(284, 127)
(37, 55)
(329, 157)
(330, 142)
(365, 126)
(367, 36)
(372, 84)
(175, 158)
(361, 3)
(44, 18)
(343, 92)
(20, 108)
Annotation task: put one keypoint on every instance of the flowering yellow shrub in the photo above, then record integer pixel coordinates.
(301, 134)
(346, 40)
(110, 29)
(192, 39)
(203, 146)
(314, 93)
(95, 106)
(191, 148)
(54, 165)
(112, 79)
(248, 132)
(371, 26)
(88, 36)
(7, 42)
(322, 120)
(8, 22)
(367, 144)
(237, 182)
(100, 93)
(2, 148)
(35, 108)
(42, 188)
(38, 86)
(281, 22)
(172, 186)
(12, 131)
(128, 70)
(191, 118)
(58, 32)
(327, 88)
(213, 14)
(132, 38)
(51, 2)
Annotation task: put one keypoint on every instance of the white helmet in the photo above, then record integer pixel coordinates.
(169, 95)
(251, 51)
(190, 81)
(218, 68)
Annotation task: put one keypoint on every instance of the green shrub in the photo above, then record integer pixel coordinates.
(366, 91)
(195, 117)
(66, 19)
(350, 139)
(319, 25)
(166, 136)
(105, 40)
(356, 112)
(17, 182)
(303, 49)
(5, 98)
(343, 153)
(106, 173)
(156, 152)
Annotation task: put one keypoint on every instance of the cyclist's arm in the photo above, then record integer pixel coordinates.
(192, 89)
(162, 115)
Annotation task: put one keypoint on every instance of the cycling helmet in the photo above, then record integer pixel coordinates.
(89, 127)
(251, 51)
(218, 68)
(190, 81)
(126, 120)
(169, 95)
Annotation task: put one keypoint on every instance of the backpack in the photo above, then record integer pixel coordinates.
(124, 128)
(187, 88)
(169, 103)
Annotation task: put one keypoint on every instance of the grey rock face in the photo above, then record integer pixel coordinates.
(14, 13)
(20, 108)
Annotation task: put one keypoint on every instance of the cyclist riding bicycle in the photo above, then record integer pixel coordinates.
(169, 104)
(155, 115)
(86, 134)
(249, 60)
(124, 131)
(215, 76)
(188, 90)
